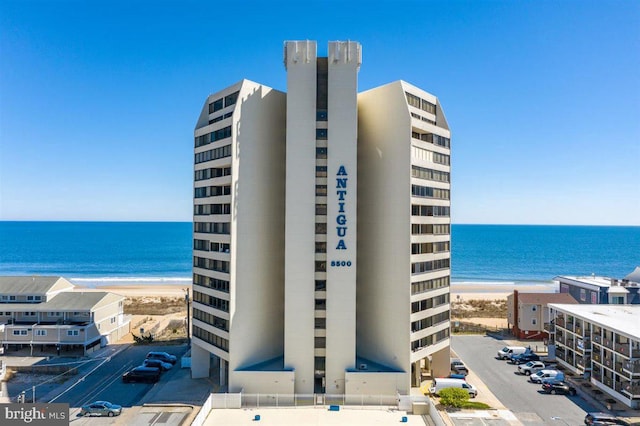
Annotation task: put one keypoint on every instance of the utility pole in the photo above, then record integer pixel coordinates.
(186, 299)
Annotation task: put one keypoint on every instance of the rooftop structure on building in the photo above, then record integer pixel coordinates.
(602, 290)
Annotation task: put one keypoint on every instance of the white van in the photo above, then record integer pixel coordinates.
(445, 382)
(541, 375)
(507, 351)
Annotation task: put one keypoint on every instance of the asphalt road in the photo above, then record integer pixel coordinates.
(526, 400)
(104, 383)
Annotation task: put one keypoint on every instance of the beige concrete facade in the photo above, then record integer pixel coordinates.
(326, 289)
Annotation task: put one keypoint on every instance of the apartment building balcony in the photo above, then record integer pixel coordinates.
(597, 339)
(624, 349)
(632, 367)
(560, 321)
(608, 362)
(596, 376)
(570, 343)
(607, 381)
(597, 358)
(549, 327)
(608, 343)
(630, 389)
(583, 362)
(68, 334)
(570, 325)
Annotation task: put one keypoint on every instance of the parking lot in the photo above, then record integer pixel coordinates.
(525, 400)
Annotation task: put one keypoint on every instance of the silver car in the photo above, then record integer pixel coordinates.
(101, 408)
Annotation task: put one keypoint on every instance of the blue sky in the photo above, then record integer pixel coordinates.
(98, 99)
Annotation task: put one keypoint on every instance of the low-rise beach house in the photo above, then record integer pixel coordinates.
(48, 313)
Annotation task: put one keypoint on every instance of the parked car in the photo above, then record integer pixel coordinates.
(457, 376)
(142, 374)
(444, 383)
(458, 367)
(558, 386)
(508, 351)
(541, 375)
(525, 357)
(603, 419)
(530, 367)
(163, 366)
(101, 408)
(163, 356)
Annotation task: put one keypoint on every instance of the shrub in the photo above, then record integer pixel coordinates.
(453, 397)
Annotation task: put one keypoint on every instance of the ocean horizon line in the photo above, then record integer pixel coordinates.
(187, 221)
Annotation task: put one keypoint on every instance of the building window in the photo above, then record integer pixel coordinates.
(321, 285)
(321, 228)
(533, 321)
(321, 171)
(320, 342)
(583, 295)
(320, 323)
(19, 332)
(322, 115)
(72, 333)
(321, 134)
(321, 266)
(41, 332)
(321, 209)
(321, 247)
(534, 308)
(321, 190)
(319, 363)
(231, 99)
(321, 153)
(321, 304)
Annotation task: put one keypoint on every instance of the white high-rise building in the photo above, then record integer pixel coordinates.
(321, 232)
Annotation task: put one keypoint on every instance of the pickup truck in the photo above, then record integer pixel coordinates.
(458, 367)
(530, 367)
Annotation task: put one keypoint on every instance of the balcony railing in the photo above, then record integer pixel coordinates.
(622, 348)
(597, 358)
(618, 367)
(608, 362)
(635, 353)
(596, 376)
(548, 327)
(632, 367)
(631, 389)
(608, 381)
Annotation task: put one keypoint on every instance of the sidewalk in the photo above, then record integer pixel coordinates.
(181, 397)
(498, 411)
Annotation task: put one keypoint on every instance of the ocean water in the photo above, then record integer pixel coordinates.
(99, 253)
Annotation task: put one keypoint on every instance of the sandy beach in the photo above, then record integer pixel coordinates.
(149, 290)
(459, 291)
(491, 291)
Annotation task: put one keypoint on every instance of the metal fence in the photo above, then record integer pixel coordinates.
(257, 400)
